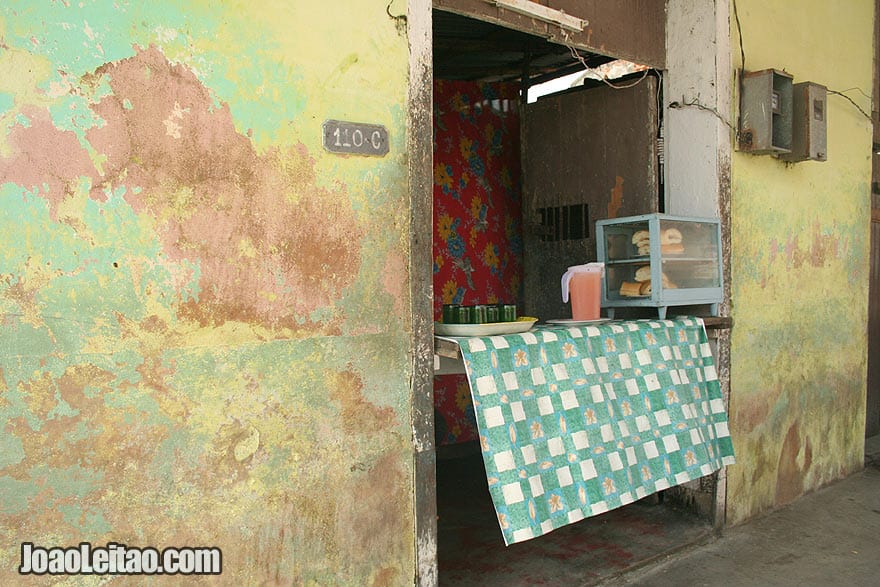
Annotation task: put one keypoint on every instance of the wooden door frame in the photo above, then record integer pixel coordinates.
(419, 145)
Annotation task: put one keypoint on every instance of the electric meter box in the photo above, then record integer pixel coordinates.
(766, 112)
(809, 123)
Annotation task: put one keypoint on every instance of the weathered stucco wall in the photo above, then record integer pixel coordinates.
(205, 317)
(799, 266)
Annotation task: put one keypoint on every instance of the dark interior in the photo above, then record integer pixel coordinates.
(471, 549)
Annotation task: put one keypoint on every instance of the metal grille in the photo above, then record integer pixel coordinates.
(565, 223)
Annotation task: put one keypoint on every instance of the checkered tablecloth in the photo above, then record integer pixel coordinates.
(576, 421)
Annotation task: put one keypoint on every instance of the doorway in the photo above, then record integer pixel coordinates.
(551, 200)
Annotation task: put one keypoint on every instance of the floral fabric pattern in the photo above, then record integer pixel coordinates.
(477, 218)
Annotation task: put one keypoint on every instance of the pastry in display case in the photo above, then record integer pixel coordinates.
(660, 260)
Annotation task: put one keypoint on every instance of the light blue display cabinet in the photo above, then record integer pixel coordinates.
(660, 260)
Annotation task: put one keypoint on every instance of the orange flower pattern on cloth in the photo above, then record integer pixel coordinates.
(477, 216)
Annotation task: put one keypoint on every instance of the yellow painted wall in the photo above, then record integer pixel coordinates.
(205, 318)
(799, 269)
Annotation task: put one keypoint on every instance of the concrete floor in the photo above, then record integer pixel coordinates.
(831, 536)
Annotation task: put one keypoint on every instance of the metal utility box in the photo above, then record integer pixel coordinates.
(766, 112)
(809, 123)
(659, 260)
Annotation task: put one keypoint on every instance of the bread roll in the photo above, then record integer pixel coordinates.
(641, 236)
(645, 288)
(630, 289)
(643, 273)
(672, 249)
(670, 236)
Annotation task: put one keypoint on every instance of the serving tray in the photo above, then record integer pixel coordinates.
(522, 324)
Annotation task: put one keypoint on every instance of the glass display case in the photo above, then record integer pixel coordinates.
(659, 260)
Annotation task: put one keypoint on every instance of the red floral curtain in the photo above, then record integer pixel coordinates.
(477, 218)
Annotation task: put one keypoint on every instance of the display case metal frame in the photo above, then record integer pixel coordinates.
(660, 297)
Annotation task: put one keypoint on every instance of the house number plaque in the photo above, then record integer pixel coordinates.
(355, 138)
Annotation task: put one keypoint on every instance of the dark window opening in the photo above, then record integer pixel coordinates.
(565, 223)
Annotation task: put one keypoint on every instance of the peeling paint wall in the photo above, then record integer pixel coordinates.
(205, 332)
(799, 271)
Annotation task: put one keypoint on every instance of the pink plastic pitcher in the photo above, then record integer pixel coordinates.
(584, 283)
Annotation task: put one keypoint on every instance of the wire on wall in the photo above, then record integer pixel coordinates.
(741, 70)
(693, 103)
(742, 53)
(851, 101)
(699, 106)
(576, 55)
(742, 50)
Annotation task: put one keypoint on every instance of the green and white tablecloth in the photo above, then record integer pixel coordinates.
(575, 421)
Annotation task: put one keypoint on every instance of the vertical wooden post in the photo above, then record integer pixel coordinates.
(420, 152)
